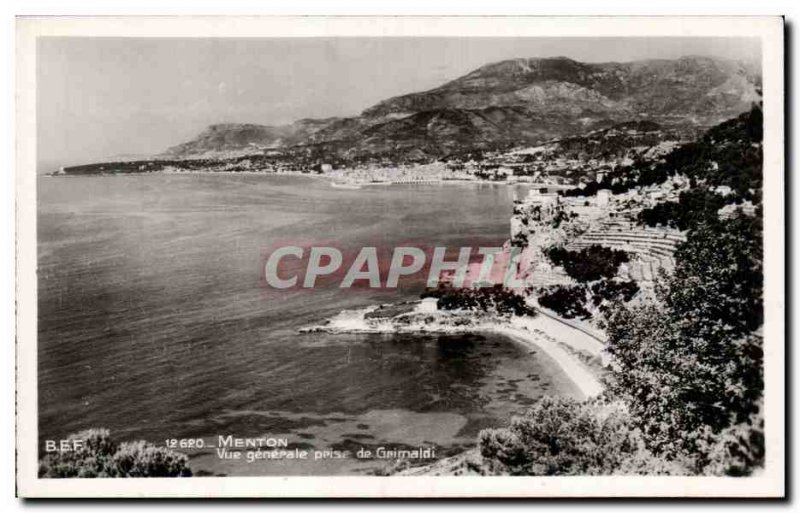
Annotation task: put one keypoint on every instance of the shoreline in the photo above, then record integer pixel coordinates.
(559, 341)
(563, 343)
(331, 180)
(576, 371)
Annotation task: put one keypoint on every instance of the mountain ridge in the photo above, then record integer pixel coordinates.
(514, 101)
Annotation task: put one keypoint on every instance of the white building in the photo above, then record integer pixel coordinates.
(429, 305)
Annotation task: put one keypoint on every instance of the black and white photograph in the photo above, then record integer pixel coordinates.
(437, 257)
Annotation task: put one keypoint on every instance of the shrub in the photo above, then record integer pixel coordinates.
(91, 459)
(562, 436)
(495, 299)
(730, 153)
(610, 291)
(100, 456)
(142, 459)
(566, 301)
(588, 264)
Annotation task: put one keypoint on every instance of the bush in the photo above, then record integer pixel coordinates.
(566, 301)
(92, 459)
(562, 436)
(142, 459)
(495, 299)
(609, 291)
(100, 456)
(588, 264)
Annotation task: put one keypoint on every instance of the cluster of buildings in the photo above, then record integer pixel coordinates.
(375, 173)
(555, 163)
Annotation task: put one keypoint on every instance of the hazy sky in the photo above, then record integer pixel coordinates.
(101, 97)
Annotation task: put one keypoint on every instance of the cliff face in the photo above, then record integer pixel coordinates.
(517, 101)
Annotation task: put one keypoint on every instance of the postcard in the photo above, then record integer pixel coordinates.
(400, 257)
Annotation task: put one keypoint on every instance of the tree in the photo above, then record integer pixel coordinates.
(717, 287)
(100, 456)
(605, 292)
(737, 450)
(588, 264)
(494, 299)
(563, 436)
(567, 301)
(693, 207)
(690, 365)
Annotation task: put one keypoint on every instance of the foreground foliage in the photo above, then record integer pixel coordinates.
(563, 436)
(690, 365)
(100, 456)
(687, 376)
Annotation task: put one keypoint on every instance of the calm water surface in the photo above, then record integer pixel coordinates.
(153, 322)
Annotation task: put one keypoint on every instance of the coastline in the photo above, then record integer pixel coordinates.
(579, 373)
(579, 354)
(334, 184)
(568, 346)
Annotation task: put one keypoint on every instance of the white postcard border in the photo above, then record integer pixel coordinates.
(769, 484)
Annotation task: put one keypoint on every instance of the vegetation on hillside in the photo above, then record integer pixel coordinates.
(568, 301)
(588, 264)
(687, 372)
(495, 299)
(693, 207)
(729, 154)
(690, 365)
(571, 301)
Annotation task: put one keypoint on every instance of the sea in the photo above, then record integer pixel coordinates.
(154, 321)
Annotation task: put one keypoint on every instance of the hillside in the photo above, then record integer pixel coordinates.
(729, 154)
(520, 101)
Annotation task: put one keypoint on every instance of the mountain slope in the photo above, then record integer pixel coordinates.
(697, 86)
(517, 101)
(248, 138)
